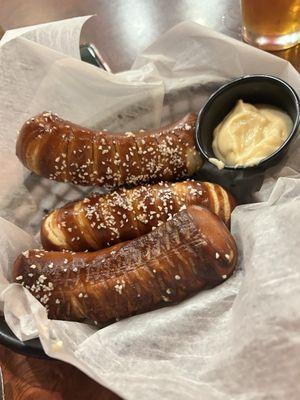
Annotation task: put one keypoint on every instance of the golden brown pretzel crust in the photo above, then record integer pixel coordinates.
(100, 221)
(60, 150)
(192, 251)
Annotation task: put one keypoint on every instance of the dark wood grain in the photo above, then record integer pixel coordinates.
(122, 29)
(27, 378)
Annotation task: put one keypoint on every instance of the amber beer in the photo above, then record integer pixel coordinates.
(271, 24)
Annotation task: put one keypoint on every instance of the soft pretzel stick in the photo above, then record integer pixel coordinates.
(188, 253)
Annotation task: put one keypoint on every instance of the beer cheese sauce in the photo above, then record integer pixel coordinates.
(248, 134)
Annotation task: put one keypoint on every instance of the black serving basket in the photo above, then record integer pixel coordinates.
(31, 348)
(240, 181)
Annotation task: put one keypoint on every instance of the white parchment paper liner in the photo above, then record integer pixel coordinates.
(237, 341)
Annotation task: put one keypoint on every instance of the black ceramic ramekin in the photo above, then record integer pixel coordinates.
(254, 89)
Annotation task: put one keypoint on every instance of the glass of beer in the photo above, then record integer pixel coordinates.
(271, 24)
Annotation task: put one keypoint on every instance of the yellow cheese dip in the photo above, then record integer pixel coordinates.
(249, 133)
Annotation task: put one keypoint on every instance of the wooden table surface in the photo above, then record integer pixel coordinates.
(27, 378)
(125, 27)
(122, 30)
